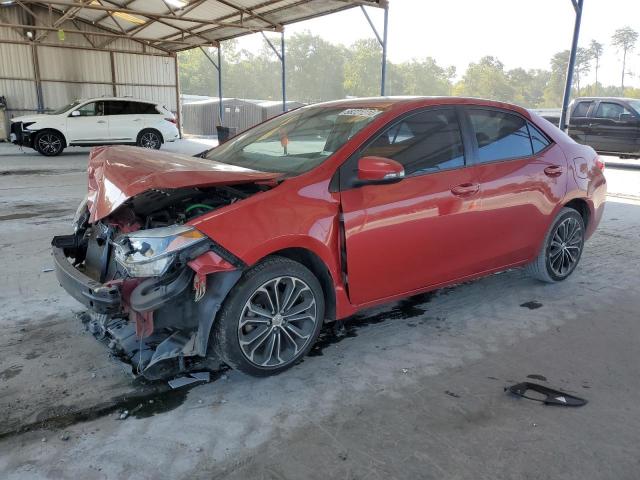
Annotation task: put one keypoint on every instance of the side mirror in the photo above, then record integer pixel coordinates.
(626, 117)
(377, 170)
(75, 113)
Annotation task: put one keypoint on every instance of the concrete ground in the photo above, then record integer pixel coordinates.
(411, 390)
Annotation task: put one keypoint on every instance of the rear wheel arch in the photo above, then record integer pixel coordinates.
(582, 207)
(153, 130)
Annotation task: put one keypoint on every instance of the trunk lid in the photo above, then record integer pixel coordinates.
(118, 173)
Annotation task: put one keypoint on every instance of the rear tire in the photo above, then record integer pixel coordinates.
(49, 143)
(149, 138)
(270, 319)
(561, 250)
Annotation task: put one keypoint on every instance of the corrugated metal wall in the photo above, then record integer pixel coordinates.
(202, 117)
(78, 67)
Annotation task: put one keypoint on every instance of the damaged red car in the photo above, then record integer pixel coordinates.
(244, 253)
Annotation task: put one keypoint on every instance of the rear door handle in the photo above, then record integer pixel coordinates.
(102, 121)
(465, 189)
(553, 171)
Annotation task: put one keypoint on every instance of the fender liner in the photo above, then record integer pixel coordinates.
(218, 287)
(182, 344)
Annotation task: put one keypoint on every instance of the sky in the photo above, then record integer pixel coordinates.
(520, 33)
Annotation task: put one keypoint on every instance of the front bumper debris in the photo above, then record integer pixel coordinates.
(20, 136)
(92, 294)
(158, 326)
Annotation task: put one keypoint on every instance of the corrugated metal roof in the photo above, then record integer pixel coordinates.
(174, 25)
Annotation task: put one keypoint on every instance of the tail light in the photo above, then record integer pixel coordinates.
(599, 164)
(172, 120)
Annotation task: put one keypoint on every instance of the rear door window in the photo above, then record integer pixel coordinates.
(115, 107)
(140, 108)
(581, 109)
(500, 135)
(425, 142)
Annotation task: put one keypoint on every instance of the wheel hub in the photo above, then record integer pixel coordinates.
(277, 320)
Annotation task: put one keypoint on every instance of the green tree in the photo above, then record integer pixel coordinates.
(195, 75)
(423, 77)
(528, 86)
(624, 39)
(486, 79)
(315, 68)
(555, 86)
(362, 69)
(596, 50)
(582, 66)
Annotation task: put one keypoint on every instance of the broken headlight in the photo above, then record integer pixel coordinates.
(150, 253)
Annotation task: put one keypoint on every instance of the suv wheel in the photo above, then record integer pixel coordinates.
(270, 319)
(562, 248)
(49, 143)
(149, 139)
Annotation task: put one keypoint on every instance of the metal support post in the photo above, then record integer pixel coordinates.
(577, 6)
(383, 43)
(280, 55)
(218, 67)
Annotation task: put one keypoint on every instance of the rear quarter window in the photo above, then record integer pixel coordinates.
(539, 140)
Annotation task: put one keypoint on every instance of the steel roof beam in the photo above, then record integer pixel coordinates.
(140, 13)
(98, 34)
(248, 11)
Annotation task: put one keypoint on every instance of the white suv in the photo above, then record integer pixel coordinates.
(96, 121)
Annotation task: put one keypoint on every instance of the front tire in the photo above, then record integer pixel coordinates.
(49, 143)
(271, 318)
(151, 139)
(562, 248)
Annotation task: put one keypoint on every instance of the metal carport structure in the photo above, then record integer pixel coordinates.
(101, 38)
(161, 28)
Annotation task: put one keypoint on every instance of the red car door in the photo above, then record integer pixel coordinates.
(419, 231)
(523, 177)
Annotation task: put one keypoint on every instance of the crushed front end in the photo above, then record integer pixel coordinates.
(21, 135)
(152, 284)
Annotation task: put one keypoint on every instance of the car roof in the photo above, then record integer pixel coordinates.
(622, 99)
(126, 99)
(409, 102)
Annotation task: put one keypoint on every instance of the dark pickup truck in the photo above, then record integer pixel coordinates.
(609, 125)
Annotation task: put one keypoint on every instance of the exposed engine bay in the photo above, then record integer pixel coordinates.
(152, 283)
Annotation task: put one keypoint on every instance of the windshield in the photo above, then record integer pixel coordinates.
(66, 108)
(295, 142)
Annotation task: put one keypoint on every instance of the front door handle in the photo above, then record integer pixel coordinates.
(553, 171)
(465, 189)
(102, 121)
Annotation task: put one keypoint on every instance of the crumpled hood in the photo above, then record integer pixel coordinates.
(118, 173)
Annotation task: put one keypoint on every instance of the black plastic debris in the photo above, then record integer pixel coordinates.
(192, 377)
(531, 305)
(553, 397)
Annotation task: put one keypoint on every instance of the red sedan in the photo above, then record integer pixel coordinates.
(243, 254)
